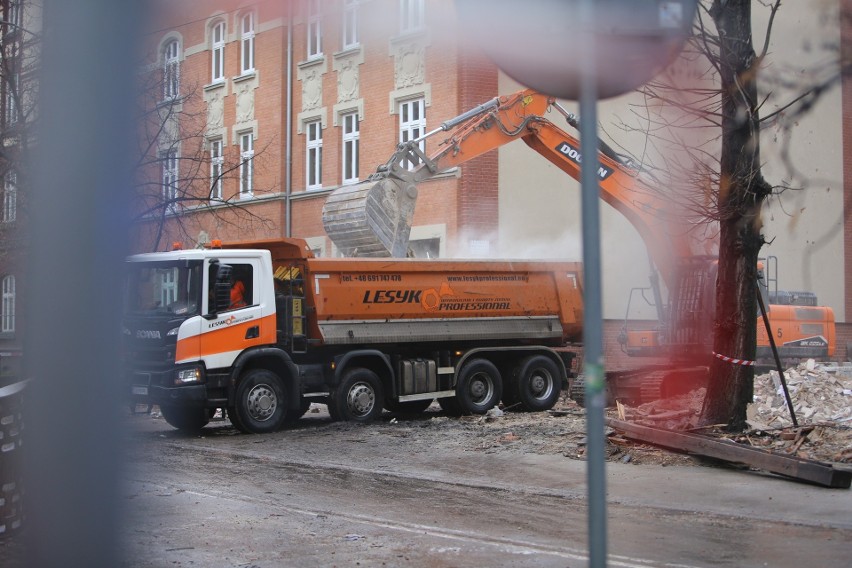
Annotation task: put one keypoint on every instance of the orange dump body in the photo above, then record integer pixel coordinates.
(353, 301)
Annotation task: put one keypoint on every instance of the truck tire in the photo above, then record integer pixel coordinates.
(260, 402)
(479, 387)
(359, 398)
(293, 416)
(538, 383)
(185, 418)
(235, 420)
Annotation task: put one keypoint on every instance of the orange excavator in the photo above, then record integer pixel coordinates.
(374, 218)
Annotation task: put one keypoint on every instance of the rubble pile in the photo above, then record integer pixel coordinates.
(820, 392)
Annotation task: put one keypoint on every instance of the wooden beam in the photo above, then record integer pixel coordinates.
(800, 469)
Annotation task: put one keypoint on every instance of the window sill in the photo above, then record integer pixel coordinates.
(246, 76)
(215, 85)
(311, 61)
(351, 50)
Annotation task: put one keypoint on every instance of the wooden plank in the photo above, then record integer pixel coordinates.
(800, 469)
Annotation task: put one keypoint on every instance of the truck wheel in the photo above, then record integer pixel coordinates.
(235, 420)
(538, 383)
(358, 398)
(185, 418)
(408, 407)
(450, 405)
(260, 403)
(479, 387)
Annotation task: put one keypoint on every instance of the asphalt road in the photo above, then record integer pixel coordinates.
(331, 494)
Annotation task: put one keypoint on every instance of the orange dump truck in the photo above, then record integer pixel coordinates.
(360, 335)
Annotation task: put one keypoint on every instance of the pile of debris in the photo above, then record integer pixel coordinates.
(820, 392)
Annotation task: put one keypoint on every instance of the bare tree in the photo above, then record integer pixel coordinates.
(719, 181)
(178, 181)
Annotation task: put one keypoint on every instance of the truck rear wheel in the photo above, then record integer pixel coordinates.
(185, 418)
(260, 404)
(479, 387)
(359, 397)
(537, 383)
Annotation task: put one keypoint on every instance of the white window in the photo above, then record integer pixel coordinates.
(168, 287)
(10, 197)
(14, 15)
(216, 163)
(314, 154)
(412, 124)
(217, 72)
(351, 136)
(314, 29)
(8, 308)
(350, 23)
(171, 70)
(246, 164)
(247, 43)
(170, 178)
(12, 94)
(411, 15)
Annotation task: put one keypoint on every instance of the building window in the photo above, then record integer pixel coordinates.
(314, 154)
(10, 197)
(411, 15)
(412, 125)
(170, 179)
(350, 24)
(217, 72)
(11, 107)
(314, 29)
(247, 43)
(216, 163)
(13, 18)
(351, 136)
(171, 70)
(8, 315)
(246, 164)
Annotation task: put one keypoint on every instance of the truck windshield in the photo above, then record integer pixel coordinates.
(154, 288)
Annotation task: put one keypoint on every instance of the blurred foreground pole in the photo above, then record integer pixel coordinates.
(592, 292)
(81, 174)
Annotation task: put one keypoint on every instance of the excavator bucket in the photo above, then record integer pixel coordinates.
(372, 218)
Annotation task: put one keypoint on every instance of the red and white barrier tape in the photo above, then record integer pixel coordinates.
(733, 361)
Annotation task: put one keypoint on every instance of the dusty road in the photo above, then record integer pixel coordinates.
(452, 492)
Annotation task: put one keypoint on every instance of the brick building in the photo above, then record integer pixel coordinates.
(259, 110)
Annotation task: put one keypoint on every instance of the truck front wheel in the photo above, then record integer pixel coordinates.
(358, 398)
(185, 418)
(479, 387)
(538, 383)
(260, 403)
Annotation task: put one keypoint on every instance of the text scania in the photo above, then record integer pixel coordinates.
(392, 296)
(574, 155)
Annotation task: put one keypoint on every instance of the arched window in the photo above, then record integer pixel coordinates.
(217, 49)
(7, 310)
(171, 69)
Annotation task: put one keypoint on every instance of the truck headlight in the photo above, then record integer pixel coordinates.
(173, 331)
(191, 375)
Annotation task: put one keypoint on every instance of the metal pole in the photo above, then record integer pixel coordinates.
(777, 358)
(593, 318)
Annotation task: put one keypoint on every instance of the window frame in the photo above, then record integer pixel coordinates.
(349, 27)
(10, 197)
(350, 146)
(313, 154)
(412, 16)
(246, 165)
(247, 37)
(412, 128)
(171, 70)
(217, 52)
(170, 178)
(314, 30)
(217, 161)
(7, 305)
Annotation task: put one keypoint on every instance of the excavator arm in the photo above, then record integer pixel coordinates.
(374, 218)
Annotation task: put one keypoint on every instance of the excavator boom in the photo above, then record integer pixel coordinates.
(374, 218)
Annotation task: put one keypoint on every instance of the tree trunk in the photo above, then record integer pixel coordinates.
(741, 193)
